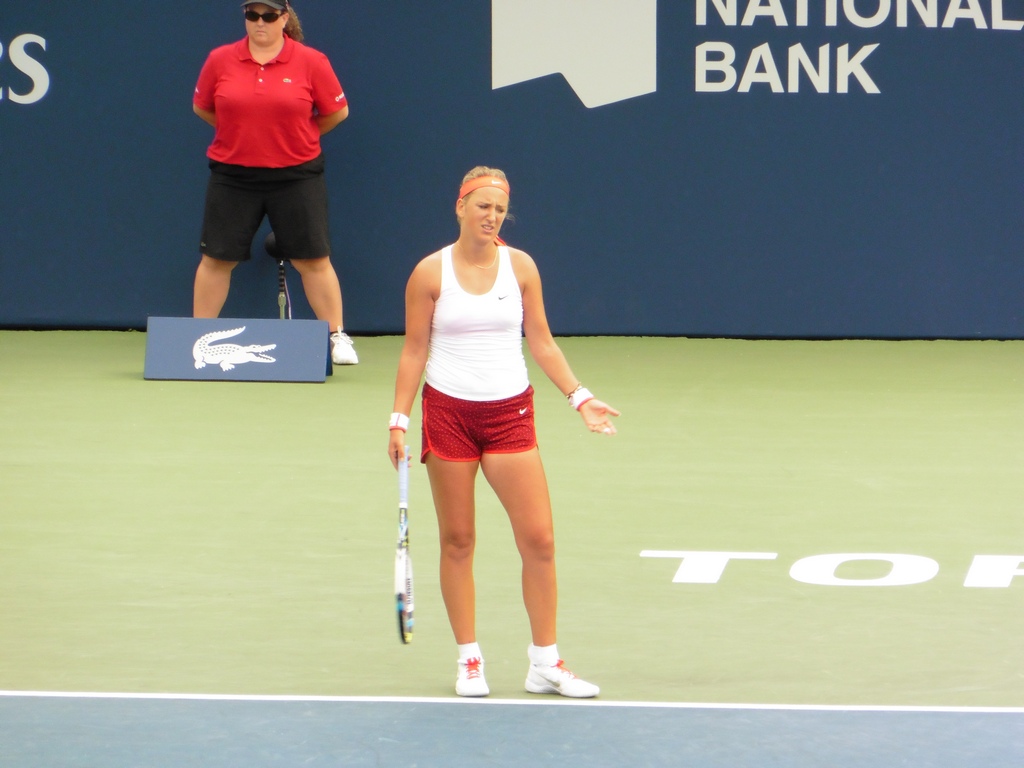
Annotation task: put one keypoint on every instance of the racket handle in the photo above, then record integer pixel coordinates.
(403, 479)
(281, 289)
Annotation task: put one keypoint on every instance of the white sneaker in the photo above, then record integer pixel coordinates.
(342, 350)
(558, 679)
(470, 681)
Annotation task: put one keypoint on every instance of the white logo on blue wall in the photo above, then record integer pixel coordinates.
(607, 50)
(227, 356)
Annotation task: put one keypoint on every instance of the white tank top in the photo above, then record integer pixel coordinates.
(476, 342)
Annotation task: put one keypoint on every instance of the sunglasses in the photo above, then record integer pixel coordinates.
(269, 17)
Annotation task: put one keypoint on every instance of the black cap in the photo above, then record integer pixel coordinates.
(280, 5)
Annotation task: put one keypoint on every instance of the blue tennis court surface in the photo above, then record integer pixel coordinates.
(121, 731)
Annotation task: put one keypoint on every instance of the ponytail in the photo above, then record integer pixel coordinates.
(293, 27)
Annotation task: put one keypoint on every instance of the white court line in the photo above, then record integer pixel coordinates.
(508, 702)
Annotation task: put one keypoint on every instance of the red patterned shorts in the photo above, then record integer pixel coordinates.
(463, 430)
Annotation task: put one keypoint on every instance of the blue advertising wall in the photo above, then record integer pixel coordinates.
(767, 168)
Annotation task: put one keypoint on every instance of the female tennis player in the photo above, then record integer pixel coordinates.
(467, 307)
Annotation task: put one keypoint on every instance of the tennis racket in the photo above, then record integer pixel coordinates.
(403, 561)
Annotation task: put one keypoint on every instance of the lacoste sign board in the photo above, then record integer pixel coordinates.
(232, 349)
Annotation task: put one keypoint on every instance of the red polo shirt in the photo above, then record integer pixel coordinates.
(266, 113)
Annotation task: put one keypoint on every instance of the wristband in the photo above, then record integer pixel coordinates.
(399, 421)
(579, 396)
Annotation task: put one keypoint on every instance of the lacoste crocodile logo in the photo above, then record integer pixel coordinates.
(227, 356)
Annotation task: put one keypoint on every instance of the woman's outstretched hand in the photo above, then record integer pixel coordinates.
(597, 416)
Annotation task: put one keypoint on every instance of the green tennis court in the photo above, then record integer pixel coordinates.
(238, 538)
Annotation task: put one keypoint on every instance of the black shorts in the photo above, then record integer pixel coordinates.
(293, 199)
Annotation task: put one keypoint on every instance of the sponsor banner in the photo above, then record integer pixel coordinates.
(754, 168)
(227, 349)
(608, 51)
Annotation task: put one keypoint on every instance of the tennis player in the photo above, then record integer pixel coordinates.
(467, 307)
(269, 99)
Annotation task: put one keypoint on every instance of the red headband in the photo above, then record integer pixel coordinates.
(484, 181)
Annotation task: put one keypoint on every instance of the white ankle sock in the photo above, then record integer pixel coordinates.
(470, 651)
(543, 655)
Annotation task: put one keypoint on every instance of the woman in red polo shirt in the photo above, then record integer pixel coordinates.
(269, 99)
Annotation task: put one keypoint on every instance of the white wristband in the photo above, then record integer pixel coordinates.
(579, 397)
(399, 421)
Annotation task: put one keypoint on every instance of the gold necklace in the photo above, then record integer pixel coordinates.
(493, 262)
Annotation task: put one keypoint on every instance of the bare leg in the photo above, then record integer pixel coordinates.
(213, 280)
(452, 484)
(323, 291)
(519, 481)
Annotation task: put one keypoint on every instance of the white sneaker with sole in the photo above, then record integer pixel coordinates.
(558, 679)
(342, 350)
(470, 681)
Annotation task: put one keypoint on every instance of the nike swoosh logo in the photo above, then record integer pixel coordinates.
(523, 410)
(502, 298)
